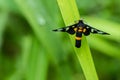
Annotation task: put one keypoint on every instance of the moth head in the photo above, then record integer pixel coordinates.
(81, 21)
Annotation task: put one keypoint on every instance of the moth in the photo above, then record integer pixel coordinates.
(80, 28)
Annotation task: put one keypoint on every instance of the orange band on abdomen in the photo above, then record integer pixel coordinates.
(78, 38)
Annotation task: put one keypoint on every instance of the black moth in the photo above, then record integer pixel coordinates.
(80, 28)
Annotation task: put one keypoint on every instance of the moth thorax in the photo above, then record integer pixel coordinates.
(80, 29)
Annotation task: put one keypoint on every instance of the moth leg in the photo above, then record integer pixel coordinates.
(78, 39)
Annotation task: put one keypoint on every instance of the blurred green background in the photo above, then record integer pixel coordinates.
(29, 50)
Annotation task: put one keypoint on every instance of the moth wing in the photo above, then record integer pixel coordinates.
(95, 31)
(86, 31)
(68, 29)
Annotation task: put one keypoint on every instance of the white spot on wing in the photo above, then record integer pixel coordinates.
(67, 28)
(87, 27)
(100, 32)
(73, 26)
(92, 30)
(60, 29)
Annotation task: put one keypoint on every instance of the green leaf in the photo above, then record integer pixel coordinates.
(70, 14)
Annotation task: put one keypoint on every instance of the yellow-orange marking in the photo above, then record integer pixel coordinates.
(75, 29)
(78, 38)
(84, 30)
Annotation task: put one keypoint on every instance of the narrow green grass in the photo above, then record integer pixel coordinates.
(23, 60)
(34, 15)
(3, 19)
(38, 63)
(70, 14)
(38, 17)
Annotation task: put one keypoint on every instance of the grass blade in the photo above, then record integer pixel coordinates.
(3, 19)
(38, 17)
(38, 63)
(70, 14)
